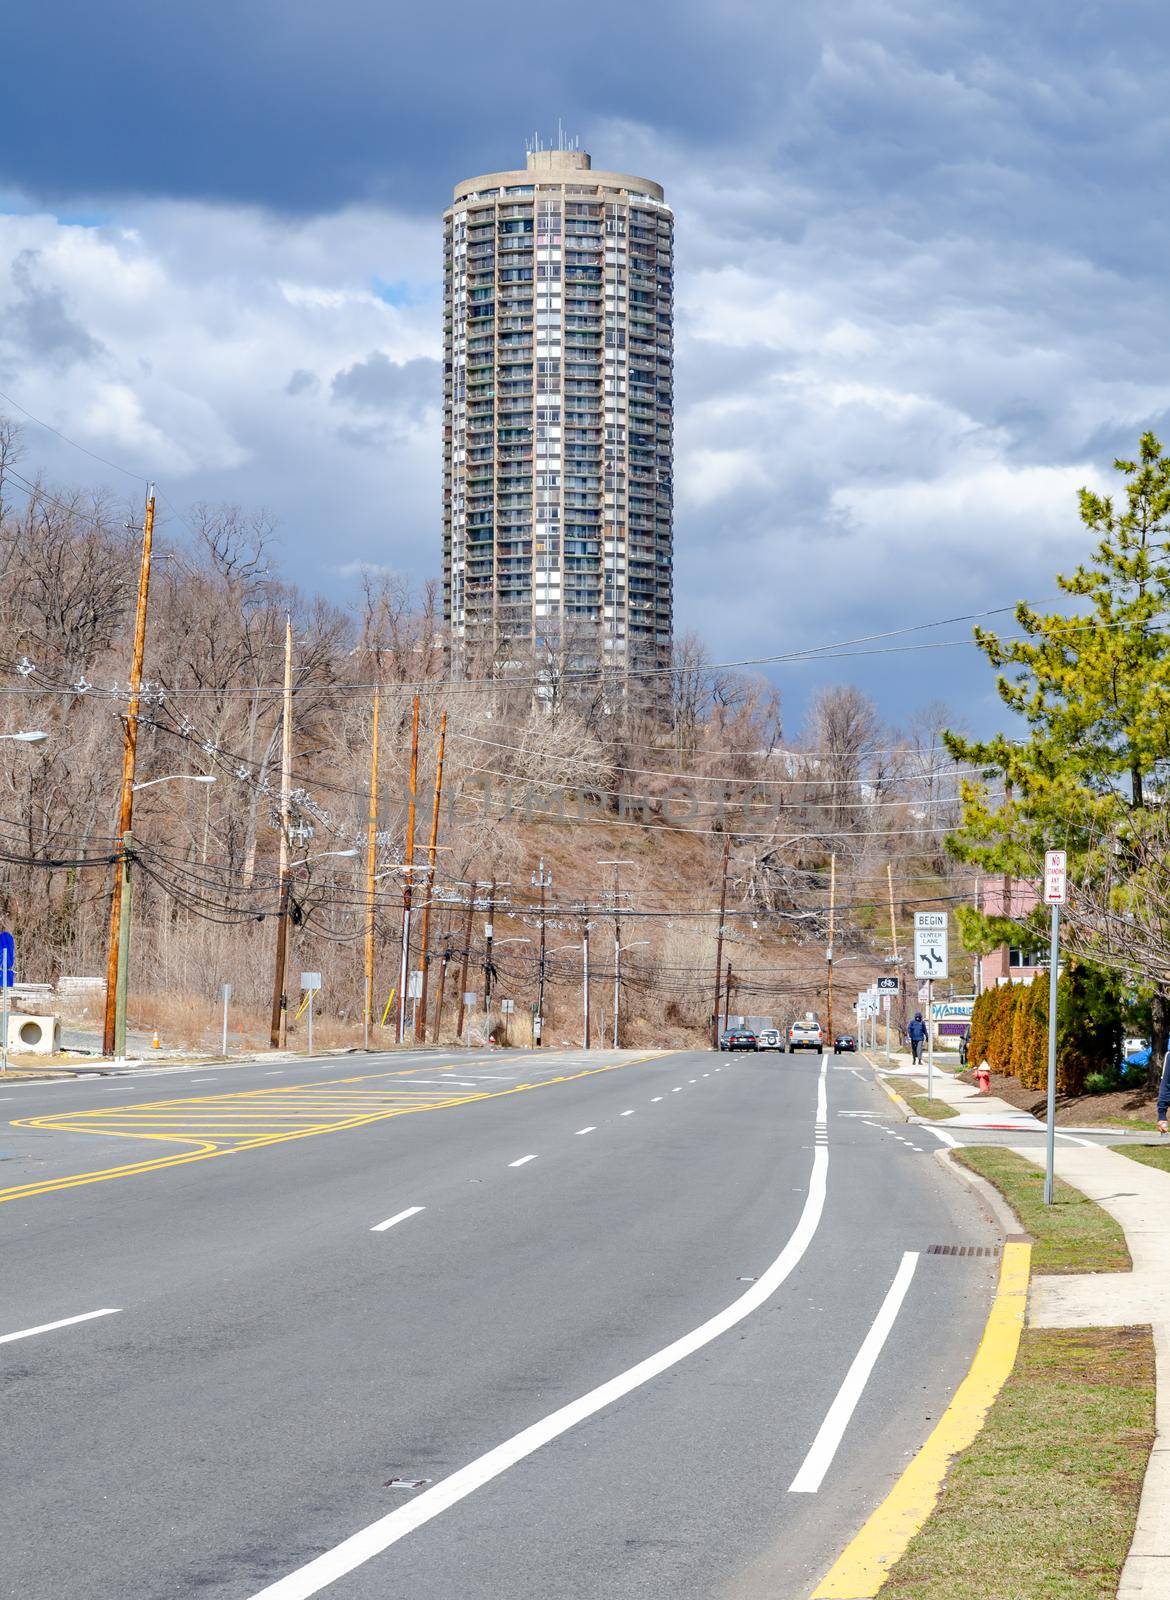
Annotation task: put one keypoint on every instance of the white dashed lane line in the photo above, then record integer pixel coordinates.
(627, 1113)
(400, 1216)
(655, 1099)
(523, 1161)
(580, 1131)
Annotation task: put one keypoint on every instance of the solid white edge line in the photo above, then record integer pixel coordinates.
(65, 1322)
(360, 1547)
(401, 1216)
(580, 1131)
(941, 1134)
(522, 1161)
(832, 1430)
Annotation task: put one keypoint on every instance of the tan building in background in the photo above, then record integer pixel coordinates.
(558, 418)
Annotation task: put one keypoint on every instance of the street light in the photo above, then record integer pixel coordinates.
(618, 950)
(171, 777)
(321, 855)
(31, 736)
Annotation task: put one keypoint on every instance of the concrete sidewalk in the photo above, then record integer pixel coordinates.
(1138, 1197)
(973, 1110)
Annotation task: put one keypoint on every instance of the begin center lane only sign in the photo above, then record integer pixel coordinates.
(930, 944)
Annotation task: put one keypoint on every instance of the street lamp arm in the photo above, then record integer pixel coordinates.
(175, 777)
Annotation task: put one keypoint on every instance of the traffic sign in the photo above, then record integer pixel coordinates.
(507, 1007)
(7, 960)
(414, 985)
(310, 981)
(930, 944)
(887, 985)
(1055, 878)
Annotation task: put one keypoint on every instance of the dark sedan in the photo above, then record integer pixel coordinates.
(844, 1041)
(741, 1039)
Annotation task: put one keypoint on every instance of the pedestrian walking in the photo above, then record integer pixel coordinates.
(916, 1033)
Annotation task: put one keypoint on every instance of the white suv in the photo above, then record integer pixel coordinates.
(805, 1035)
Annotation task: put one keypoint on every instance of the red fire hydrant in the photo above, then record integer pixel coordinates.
(983, 1077)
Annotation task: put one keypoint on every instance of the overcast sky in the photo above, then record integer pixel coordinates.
(921, 281)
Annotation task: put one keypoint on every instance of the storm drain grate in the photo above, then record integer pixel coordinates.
(962, 1250)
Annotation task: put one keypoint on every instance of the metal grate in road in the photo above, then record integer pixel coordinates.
(988, 1250)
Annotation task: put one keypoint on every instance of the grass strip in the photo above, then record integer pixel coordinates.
(1071, 1235)
(1043, 1503)
(923, 1106)
(1150, 1155)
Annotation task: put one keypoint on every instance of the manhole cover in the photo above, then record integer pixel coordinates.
(406, 1483)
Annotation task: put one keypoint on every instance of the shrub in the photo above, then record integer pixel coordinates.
(1098, 1083)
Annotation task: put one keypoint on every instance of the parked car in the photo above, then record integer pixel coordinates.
(769, 1039)
(805, 1034)
(725, 1037)
(742, 1039)
(844, 1041)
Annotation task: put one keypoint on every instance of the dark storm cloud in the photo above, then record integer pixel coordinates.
(379, 384)
(300, 106)
(38, 322)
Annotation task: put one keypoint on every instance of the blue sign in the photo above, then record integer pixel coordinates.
(7, 961)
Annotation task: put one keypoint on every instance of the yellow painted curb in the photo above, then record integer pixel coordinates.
(860, 1572)
(897, 1099)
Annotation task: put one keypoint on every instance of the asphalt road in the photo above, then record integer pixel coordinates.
(271, 1360)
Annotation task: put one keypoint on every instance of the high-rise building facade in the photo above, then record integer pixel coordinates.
(558, 417)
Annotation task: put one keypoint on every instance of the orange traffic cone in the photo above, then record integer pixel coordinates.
(154, 1042)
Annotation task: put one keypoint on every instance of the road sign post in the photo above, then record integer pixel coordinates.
(310, 983)
(930, 962)
(7, 976)
(227, 994)
(1055, 895)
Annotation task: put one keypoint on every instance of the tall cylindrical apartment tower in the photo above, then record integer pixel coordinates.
(558, 419)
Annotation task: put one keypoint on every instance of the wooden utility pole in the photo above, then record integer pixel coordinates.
(893, 919)
(727, 997)
(371, 865)
(278, 1033)
(408, 875)
(584, 981)
(420, 1032)
(489, 934)
(465, 957)
(118, 950)
(719, 944)
(829, 953)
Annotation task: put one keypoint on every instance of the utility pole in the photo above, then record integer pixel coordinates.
(371, 864)
(719, 943)
(584, 979)
(408, 875)
(438, 1022)
(278, 1033)
(489, 933)
(727, 997)
(466, 956)
(832, 933)
(617, 942)
(420, 1034)
(543, 881)
(118, 950)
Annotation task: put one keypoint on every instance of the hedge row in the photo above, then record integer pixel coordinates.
(1009, 1028)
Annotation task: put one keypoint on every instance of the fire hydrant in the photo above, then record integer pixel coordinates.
(983, 1077)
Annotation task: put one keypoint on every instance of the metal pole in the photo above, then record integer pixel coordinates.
(489, 934)
(617, 987)
(829, 953)
(466, 956)
(311, 993)
(719, 945)
(371, 865)
(114, 982)
(278, 1033)
(1050, 1130)
(7, 978)
(226, 994)
(420, 1035)
(408, 875)
(929, 1040)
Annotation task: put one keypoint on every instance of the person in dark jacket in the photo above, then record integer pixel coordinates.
(916, 1033)
(1164, 1093)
